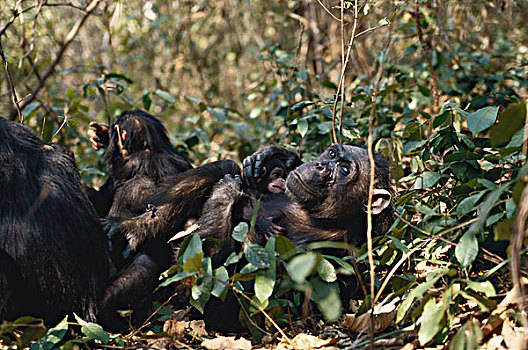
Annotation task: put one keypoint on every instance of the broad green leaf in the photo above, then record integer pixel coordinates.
(165, 95)
(201, 289)
(248, 268)
(302, 126)
(52, 337)
(240, 231)
(398, 244)
(468, 204)
(194, 246)
(484, 287)
(326, 297)
(326, 271)
(264, 283)
(418, 292)
(432, 314)
(467, 249)
(175, 278)
(427, 180)
(233, 258)
(511, 120)
(517, 139)
(218, 113)
(468, 337)
(194, 263)
(93, 331)
(257, 255)
(220, 282)
(302, 266)
(482, 119)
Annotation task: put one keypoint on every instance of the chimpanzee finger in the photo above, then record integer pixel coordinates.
(248, 171)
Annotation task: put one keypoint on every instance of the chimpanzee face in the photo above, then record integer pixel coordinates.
(335, 184)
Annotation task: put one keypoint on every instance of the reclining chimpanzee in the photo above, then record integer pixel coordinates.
(325, 200)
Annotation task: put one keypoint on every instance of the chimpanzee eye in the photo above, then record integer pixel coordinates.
(345, 170)
(332, 153)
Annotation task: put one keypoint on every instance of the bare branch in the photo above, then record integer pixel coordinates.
(67, 41)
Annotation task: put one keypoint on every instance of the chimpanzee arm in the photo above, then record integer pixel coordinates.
(252, 165)
(217, 218)
(179, 198)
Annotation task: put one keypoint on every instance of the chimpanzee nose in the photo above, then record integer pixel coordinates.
(322, 168)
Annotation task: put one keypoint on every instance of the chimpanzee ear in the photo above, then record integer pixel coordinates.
(381, 199)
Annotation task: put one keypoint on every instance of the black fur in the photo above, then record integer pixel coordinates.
(49, 232)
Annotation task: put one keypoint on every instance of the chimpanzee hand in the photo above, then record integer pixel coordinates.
(252, 165)
(110, 226)
(99, 135)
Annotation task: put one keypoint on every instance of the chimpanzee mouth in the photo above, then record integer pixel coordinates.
(299, 184)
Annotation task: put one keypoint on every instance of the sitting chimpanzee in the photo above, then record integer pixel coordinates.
(326, 200)
(53, 251)
(138, 155)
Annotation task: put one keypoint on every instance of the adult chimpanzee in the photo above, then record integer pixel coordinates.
(53, 251)
(138, 155)
(325, 199)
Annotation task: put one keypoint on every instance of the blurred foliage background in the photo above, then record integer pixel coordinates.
(229, 76)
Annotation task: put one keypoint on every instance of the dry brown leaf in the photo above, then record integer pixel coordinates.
(198, 328)
(175, 328)
(307, 342)
(227, 343)
(514, 337)
(383, 317)
(178, 328)
(408, 346)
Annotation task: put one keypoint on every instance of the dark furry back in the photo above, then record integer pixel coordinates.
(49, 230)
(150, 152)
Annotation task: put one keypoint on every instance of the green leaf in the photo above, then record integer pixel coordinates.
(201, 289)
(285, 247)
(468, 204)
(468, 337)
(302, 126)
(93, 331)
(194, 263)
(432, 315)
(302, 266)
(326, 297)
(218, 113)
(418, 292)
(240, 231)
(165, 95)
(194, 246)
(175, 278)
(264, 284)
(257, 255)
(427, 180)
(511, 120)
(233, 258)
(483, 287)
(326, 271)
(482, 119)
(52, 337)
(220, 282)
(517, 139)
(467, 249)
(147, 101)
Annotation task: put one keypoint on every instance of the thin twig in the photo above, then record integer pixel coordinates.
(330, 13)
(9, 79)
(371, 186)
(67, 41)
(427, 50)
(422, 231)
(342, 76)
(517, 239)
